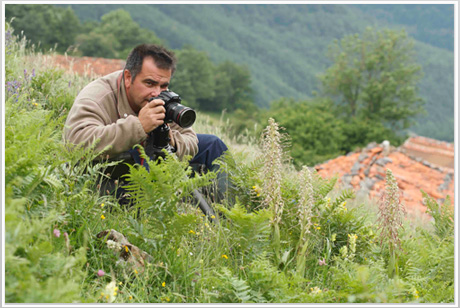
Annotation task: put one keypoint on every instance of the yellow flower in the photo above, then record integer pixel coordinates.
(213, 216)
(136, 272)
(318, 228)
(163, 284)
(102, 205)
(224, 256)
(126, 249)
(102, 217)
(120, 283)
(130, 297)
(191, 231)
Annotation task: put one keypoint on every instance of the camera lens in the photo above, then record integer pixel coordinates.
(183, 116)
(186, 117)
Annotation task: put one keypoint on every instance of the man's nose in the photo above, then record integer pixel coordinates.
(155, 91)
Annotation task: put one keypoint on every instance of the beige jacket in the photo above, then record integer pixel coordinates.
(96, 115)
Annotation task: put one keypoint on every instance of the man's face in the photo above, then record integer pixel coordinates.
(149, 82)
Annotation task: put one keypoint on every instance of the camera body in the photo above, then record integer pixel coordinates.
(175, 111)
(158, 139)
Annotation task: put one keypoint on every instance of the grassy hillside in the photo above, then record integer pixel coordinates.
(57, 246)
(285, 46)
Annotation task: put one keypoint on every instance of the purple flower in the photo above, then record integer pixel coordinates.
(57, 233)
(322, 262)
(100, 273)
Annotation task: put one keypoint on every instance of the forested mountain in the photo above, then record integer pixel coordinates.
(285, 46)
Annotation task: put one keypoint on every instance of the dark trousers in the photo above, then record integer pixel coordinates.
(210, 147)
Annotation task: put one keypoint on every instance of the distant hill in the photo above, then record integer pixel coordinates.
(285, 46)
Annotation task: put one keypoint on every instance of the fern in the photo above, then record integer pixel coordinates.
(250, 230)
(443, 215)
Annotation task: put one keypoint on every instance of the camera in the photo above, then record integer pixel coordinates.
(175, 111)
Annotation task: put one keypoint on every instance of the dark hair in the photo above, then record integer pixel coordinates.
(164, 59)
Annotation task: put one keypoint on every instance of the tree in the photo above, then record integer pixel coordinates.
(114, 37)
(194, 77)
(315, 132)
(233, 86)
(45, 25)
(374, 77)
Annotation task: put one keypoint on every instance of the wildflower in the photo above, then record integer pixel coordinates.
(57, 233)
(102, 217)
(391, 214)
(213, 216)
(130, 297)
(322, 262)
(114, 245)
(191, 231)
(224, 256)
(315, 290)
(136, 272)
(100, 273)
(102, 205)
(163, 284)
(126, 249)
(110, 290)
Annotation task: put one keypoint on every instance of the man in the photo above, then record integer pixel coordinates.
(116, 110)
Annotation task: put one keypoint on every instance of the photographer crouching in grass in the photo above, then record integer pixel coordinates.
(134, 106)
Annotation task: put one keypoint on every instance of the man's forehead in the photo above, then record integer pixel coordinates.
(149, 68)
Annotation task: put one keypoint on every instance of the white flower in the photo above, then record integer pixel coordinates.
(113, 245)
(110, 290)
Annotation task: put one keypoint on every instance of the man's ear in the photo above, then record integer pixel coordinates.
(127, 78)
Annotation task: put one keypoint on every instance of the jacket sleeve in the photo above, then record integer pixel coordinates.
(185, 141)
(88, 121)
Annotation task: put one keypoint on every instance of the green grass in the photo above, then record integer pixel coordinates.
(246, 257)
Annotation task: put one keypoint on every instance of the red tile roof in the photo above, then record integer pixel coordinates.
(419, 164)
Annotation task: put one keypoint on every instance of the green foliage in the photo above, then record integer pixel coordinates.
(325, 251)
(313, 128)
(157, 192)
(47, 26)
(211, 87)
(114, 36)
(443, 215)
(374, 76)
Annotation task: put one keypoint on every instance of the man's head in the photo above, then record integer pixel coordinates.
(148, 71)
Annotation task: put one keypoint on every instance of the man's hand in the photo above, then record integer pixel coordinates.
(152, 115)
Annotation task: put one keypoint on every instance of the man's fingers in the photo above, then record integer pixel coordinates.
(155, 102)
